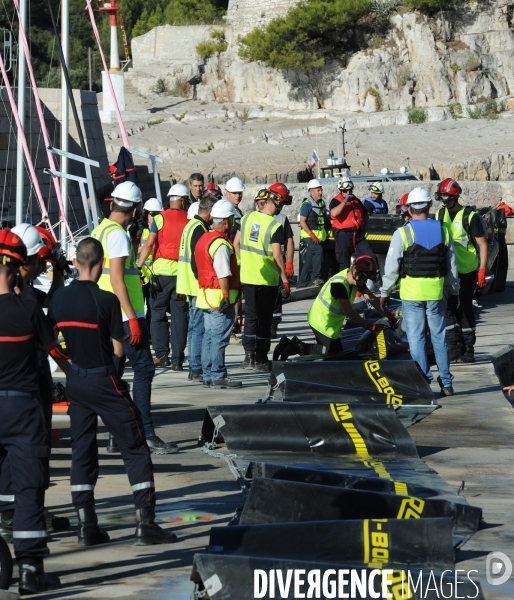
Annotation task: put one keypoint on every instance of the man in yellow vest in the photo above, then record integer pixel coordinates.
(468, 236)
(219, 289)
(262, 268)
(120, 276)
(187, 283)
(313, 233)
(422, 258)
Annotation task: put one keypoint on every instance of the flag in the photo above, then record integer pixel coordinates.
(314, 159)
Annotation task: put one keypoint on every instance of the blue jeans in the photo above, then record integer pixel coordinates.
(216, 338)
(194, 336)
(141, 360)
(414, 313)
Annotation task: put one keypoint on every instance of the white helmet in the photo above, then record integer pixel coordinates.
(126, 194)
(376, 188)
(419, 198)
(153, 205)
(179, 189)
(235, 185)
(345, 183)
(30, 236)
(223, 209)
(314, 183)
(192, 211)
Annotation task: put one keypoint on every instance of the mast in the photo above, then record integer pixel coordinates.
(65, 42)
(21, 113)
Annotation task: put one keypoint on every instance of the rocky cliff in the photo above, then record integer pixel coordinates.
(459, 56)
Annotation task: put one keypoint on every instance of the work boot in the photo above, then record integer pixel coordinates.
(468, 356)
(90, 534)
(262, 363)
(455, 352)
(34, 580)
(148, 532)
(112, 446)
(280, 347)
(162, 361)
(445, 390)
(157, 446)
(55, 523)
(6, 528)
(295, 347)
(226, 382)
(274, 329)
(249, 360)
(195, 375)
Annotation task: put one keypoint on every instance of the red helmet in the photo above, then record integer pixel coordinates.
(281, 193)
(448, 189)
(11, 247)
(214, 190)
(112, 169)
(45, 253)
(404, 198)
(366, 264)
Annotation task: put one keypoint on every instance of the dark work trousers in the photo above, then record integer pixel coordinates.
(259, 303)
(348, 242)
(331, 345)
(312, 257)
(141, 360)
(162, 302)
(277, 310)
(461, 324)
(23, 438)
(146, 293)
(46, 397)
(100, 393)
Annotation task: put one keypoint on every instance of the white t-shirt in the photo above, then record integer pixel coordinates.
(221, 262)
(118, 246)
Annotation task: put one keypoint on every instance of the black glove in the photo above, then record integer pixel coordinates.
(224, 305)
(453, 302)
(385, 303)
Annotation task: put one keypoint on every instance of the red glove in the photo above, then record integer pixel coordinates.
(136, 331)
(314, 238)
(376, 327)
(286, 289)
(289, 269)
(481, 279)
(393, 321)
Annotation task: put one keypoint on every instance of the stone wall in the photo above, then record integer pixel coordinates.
(87, 108)
(460, 57)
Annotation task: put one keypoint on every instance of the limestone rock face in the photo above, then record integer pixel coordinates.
(463, 56)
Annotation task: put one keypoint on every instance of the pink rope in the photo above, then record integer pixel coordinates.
(26, 150)
(108, 77)
(41, 116)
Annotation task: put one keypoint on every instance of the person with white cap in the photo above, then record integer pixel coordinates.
(121, 277)
(422, 258)
(219, 289)
(164, 241)
(199, 214)
(313, 234)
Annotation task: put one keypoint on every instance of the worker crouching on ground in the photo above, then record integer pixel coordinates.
(219, 289)
(422, 258)
(90, 320)
(262, 268)
(333, 306)
(23, 432)
(468, 235)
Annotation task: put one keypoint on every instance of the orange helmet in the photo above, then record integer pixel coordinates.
(281, 193)
(46, 252)
(448, 189)
(12, 249)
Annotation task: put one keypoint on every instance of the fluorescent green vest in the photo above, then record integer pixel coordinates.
(131, 275)
(319, 230)
(257, 262)
(326, 314)
(465, 251)
(186, 281)
(420, 289)
(211, 298)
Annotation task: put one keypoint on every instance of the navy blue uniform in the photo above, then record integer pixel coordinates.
(23, 434)
(88, 318)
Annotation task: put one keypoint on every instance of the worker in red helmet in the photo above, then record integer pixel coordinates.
(23, 436)
(470, 243)
(314, 223)
(402, 208)
(282, 198)
(333, 306)
(215, 190)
